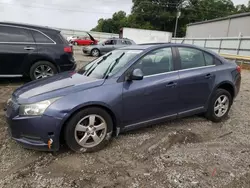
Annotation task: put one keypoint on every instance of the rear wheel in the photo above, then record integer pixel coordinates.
(95, 53)
(89, 130)
(219, 106)
(42, 69)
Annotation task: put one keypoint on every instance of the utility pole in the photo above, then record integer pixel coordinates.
(176, 22)
(178, 14)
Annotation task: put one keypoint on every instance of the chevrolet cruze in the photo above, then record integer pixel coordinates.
(125, 89)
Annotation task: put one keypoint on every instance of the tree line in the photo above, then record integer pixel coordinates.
(161, 14)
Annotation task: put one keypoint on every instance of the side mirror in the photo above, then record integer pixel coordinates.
(103, 44)
(136, 74)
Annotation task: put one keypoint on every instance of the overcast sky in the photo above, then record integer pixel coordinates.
(75, 14)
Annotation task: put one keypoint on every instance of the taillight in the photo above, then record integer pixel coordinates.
(68, 49)
(238, 68)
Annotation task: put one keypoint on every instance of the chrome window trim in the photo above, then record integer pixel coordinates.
(160, 74)
(195, 68)
(53, 42)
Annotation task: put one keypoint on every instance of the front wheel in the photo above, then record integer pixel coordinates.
(95, 53)
(219, 106)
(89, 130)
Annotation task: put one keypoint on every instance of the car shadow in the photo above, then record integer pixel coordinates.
(13, 81)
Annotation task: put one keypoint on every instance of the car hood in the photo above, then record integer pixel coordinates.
(55, 86)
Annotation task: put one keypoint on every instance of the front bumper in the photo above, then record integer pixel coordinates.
(34, 132)
(86, 51)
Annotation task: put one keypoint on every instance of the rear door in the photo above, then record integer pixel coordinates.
(197, 77)
(16, 44)
(120, 43)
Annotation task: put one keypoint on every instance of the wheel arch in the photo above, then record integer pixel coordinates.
(82, 107)
(40, 58)
(227, 86)
(223, 85)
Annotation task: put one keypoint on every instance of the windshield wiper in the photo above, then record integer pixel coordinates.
(92, 68)
(112, 66)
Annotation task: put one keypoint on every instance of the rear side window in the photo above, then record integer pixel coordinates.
(123, 42)
(110, 42)
(128, 42)
(114, 42)
(41, 38)
(191, 58)
(15, 34)
(209, 59)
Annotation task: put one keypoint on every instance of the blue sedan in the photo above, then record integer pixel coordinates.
(123, 90)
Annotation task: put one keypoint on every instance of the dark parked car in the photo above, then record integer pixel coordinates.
(33, 51)
(125, 89)
(106, 46)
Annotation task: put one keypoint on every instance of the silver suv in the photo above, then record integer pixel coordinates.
(107, 46)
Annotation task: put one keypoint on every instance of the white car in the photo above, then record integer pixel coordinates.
(70, 38)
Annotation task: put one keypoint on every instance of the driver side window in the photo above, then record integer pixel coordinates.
(110, 42)
(156, 62)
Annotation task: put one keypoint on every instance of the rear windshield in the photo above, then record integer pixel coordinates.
(64, 40)
(57, 37)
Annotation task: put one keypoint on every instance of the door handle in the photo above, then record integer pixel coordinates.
(171, 84)
(208, 76)
(29, 48)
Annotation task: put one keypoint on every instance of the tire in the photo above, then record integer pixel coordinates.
(38, 66)
(213, 112)
(95, 52)
(73, 137)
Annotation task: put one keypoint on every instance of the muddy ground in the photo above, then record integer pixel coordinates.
(190, 152)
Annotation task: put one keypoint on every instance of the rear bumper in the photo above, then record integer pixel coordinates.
(68, 67)
(237, 85)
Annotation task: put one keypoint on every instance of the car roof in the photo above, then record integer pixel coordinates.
(38, 27)
(117, 38)
(153, 46)
(137, 47)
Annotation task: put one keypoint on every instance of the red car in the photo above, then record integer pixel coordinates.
(84, 41)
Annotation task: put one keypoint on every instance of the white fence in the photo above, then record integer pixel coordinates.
(233, 46)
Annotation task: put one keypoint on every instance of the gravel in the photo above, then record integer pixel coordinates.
(189, 152)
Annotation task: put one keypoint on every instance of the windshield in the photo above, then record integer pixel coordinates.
(109, 64)
(102, 41)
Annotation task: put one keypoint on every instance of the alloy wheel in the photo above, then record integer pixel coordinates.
(221, 106)
(43, 71)
(95, 53)
(90, 131)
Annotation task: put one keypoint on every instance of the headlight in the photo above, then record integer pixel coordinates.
(35, 109)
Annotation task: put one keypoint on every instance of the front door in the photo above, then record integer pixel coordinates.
(15, 46)
(156, 95)
(108, 46)
(197, 76)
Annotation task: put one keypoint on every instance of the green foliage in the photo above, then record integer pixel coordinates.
(161, 14)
